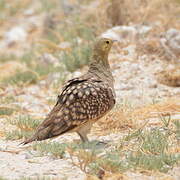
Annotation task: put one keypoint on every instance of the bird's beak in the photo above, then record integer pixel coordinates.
(114, 40)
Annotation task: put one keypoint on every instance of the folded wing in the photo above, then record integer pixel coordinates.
(81, 100)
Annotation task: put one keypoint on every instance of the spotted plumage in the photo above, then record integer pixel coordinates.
(83, 100)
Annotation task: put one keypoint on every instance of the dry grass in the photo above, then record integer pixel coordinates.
(90, 20)
(170, 77)
(149, 151)
(127, 117)
(108, 176)
(168, 107)
(117, 119)
(125, 12)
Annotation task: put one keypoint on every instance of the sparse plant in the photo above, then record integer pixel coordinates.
(55, 149)
(133, 135)
(6, 57)
(22, 78)
(25, 122)
(177, 129)
(166, 119)
(7, 99)
(25, 126)
(149, 149)
(17, 134)
(77, 58)
(47, 5)
(84, 157)
(28, 57)
(6, 111)
(1, 178)
(162, 162)
(45, 70)
(37, 178)
(154, 141)
(11, 9)
(151, 153)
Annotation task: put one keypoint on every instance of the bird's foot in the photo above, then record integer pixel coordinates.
(94, 144)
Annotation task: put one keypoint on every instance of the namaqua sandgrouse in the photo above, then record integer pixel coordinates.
(83, 100)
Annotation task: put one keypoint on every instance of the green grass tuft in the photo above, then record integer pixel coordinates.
(6, 111)
(25, 122)
(17, 134)
(36, 178)
(1, 178)
(177, 129)
(47, 6)
(7, 99)
(112, 161)
(162, 162)
(25, 127)
(6, 57)
(155, 141)
(55, 149)
(142, 149)
(28, 57)
(22, 78)
(3, 7)
(77, 58)
(133, 135)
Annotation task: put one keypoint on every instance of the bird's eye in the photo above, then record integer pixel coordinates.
(107, 42)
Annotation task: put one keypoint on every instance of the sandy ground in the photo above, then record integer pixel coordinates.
(135, 82)
(17, 161)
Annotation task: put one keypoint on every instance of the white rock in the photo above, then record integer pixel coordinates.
(29, 12)
(65, 45)
(173, 38)
(111, 35)
(125, 63)
(135, 67)
(78, 40)
(141, 29)
(16, 34)
(76, 74)
(171, 33)
(131, 50)
(120, 33)
(47, 58)
(126, 33)
(171, 43)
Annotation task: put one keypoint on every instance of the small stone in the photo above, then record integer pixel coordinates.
(65, 45)
(47, 58)
(16, 34)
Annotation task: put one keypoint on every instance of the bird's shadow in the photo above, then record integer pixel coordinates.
(92, 145)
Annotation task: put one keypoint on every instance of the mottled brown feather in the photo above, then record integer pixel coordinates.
(82, 101)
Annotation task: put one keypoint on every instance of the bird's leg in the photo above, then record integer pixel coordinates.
(90, 145)
(83, 131)
(83, 137)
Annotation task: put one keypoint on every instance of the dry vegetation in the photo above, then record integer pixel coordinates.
(57, 44)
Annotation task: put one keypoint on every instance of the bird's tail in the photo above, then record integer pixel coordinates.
(27, 141)
(39, 135)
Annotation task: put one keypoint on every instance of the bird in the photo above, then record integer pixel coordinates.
(83, 100)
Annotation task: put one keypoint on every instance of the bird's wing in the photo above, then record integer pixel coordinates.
(70, 83)
(56, 112)
(81, 100)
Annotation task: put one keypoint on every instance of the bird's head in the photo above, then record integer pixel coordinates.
(100, 53)
(103, 45)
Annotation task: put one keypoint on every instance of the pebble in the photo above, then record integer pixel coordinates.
(126, 33)
(171, 43)
(15, 34)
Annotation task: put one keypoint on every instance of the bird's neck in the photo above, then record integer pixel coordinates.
(99, 61)
(100, 66)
